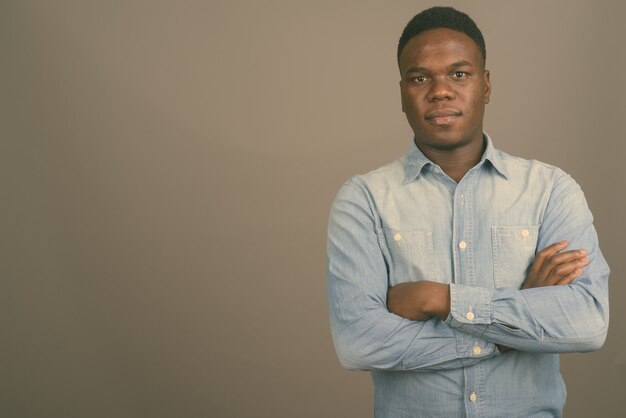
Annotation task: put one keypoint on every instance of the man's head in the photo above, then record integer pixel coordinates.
(444, 85)
(442, 17)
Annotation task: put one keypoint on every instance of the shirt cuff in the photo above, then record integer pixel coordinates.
(470, 349)
(470, 307)
(470, 314)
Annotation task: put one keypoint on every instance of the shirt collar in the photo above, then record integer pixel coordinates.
(415, 160)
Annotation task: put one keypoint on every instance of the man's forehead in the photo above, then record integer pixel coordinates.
(434, 45)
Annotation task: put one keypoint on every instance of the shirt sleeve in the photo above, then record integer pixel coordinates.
(557, 319)
(366, 335)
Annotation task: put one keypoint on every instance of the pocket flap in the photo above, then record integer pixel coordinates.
(515, 235)
(407, 239)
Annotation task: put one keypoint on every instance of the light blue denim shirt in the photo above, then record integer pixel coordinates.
(408, 221)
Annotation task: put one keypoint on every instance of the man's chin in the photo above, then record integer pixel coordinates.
(442, 145)
(446, 147)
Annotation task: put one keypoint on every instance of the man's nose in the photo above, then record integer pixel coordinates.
(440, 89)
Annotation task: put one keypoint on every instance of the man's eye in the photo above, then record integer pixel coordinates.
(419, 79)
(460, 74)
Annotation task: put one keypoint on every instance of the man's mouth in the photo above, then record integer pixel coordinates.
(442, 116)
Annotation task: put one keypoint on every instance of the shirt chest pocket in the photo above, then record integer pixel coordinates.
(513, 253)
(409, 254)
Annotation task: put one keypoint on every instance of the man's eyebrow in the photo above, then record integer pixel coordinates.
(420, 69)
(462, 63)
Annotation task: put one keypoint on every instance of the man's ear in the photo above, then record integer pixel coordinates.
(402, 96)
(487, 86)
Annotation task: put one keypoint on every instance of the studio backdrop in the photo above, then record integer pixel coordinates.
(167, 169)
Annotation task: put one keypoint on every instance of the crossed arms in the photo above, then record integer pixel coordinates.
(424, 299)
(419, 301)
(561, 307)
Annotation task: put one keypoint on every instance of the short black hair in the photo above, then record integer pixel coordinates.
(442, 17)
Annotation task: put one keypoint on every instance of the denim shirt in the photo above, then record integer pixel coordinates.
(409, 221)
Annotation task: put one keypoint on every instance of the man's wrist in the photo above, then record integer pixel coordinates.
(419, 300)
(446, 302)
(439, 300)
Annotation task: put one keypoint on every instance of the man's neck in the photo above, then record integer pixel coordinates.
(458, 161)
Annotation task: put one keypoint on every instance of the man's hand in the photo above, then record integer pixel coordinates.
(555, 268)
(419, 300)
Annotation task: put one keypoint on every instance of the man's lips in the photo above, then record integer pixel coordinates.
(442, 116)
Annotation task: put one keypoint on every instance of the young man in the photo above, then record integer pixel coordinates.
(448, 274)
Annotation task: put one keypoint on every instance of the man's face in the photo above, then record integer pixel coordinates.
(444, 89)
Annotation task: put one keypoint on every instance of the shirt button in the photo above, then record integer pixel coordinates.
(473, 397)
(397, 237)
(525, 233)
(477, 350)
(469, 316)
(462, 245)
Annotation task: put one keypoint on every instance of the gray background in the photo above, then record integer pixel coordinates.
(167, 170)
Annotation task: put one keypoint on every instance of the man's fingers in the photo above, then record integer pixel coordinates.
(563, 269)
(567, 256)
(545, 254)
(566, 273)
(559, 259)
(552, 249)
(569, 278)
(562, 259)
